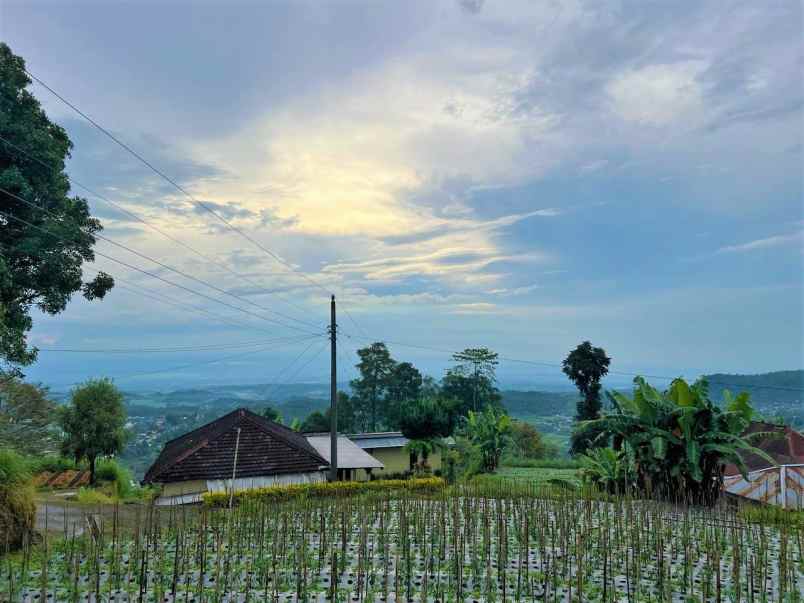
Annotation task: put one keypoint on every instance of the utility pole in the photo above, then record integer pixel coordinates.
(333, 395)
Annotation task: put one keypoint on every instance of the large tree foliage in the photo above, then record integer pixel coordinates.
(375, 366)
(585, 366)
(676, 443)
(37, 270)
(489, 431)
(481, 365)
(94, 422)
(27, 418)
(404, 387)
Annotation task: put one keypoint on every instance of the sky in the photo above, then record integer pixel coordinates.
(521, 175)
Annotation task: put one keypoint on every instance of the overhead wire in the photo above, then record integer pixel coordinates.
(161, 264)
(150, 274)
(184, 191)
(168, 236)
(175, 184)
(214, 361)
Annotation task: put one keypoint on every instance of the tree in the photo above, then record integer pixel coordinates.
(468, 391)
(404, 386)
(316, 421)
(94, 422)
(27, 417)
(424, 423)
(270, 413)
(677, 442)
(375, 368)
(37, 269)
(527, 442)
(477, 362)
(489, 431)
(586, 366)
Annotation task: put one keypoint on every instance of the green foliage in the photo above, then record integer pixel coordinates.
(490, 432)
(315, 421)
(553, 463)
(17, 508)
(121, 478)
(772, 515)
(52, 463)
(472, 381)
(585, 366)
(606, 468)
(14, 469)
(37, 270)
(270, 413)
(94, 422)
(427, 419)
(27, 417)
(327, 489)
(527, 442)
(92, 496)
(404, 386)
(375, 366)
(678, 441)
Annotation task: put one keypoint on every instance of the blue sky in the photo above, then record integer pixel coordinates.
(520, 175)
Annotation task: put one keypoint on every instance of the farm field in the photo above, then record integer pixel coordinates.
(467, 544)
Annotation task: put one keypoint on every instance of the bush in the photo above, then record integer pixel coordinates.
(323, 489)
(109, 470)
(51, 463)
(517, 461)
(17, 507)
(90, 496)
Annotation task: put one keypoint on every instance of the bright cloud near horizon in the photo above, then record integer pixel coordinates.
(522, 175)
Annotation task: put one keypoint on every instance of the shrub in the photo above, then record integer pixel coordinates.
(109, 470)
(52, 463)
(17, 507)
(90, 496)
(517, 461)
(326, 489)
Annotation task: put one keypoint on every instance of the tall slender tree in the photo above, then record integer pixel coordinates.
(585, 366)
(37, 269)
(369, 389)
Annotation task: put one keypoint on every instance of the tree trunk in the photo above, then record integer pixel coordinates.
(92, 470)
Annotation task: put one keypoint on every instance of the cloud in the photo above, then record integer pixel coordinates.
(766, 243)
(657, 95)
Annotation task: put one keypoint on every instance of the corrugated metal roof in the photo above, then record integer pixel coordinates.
(389, 439)
(350, 455)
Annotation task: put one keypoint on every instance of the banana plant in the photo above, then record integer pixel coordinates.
(679, 440)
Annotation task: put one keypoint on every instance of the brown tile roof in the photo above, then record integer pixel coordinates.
(783, 444)
(266, 448)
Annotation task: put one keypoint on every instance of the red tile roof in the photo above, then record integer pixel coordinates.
(265, 448)
(783, 444)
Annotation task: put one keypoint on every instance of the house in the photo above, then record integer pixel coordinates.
(354, 463)
(779, 484)
(240, 450)
(390, 449)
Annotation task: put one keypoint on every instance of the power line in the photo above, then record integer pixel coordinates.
(277, 385)
(166, 235)
(163, 265)
(205, 363)
(151, 274)
(166, 350)
(177, 186)
(558, 365)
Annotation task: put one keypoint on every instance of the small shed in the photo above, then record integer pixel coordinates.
(389, 447)
(354, 463)
(779, 484)
(239, 451)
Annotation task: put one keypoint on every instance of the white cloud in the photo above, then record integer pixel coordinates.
(766, 243)
(657, 95)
